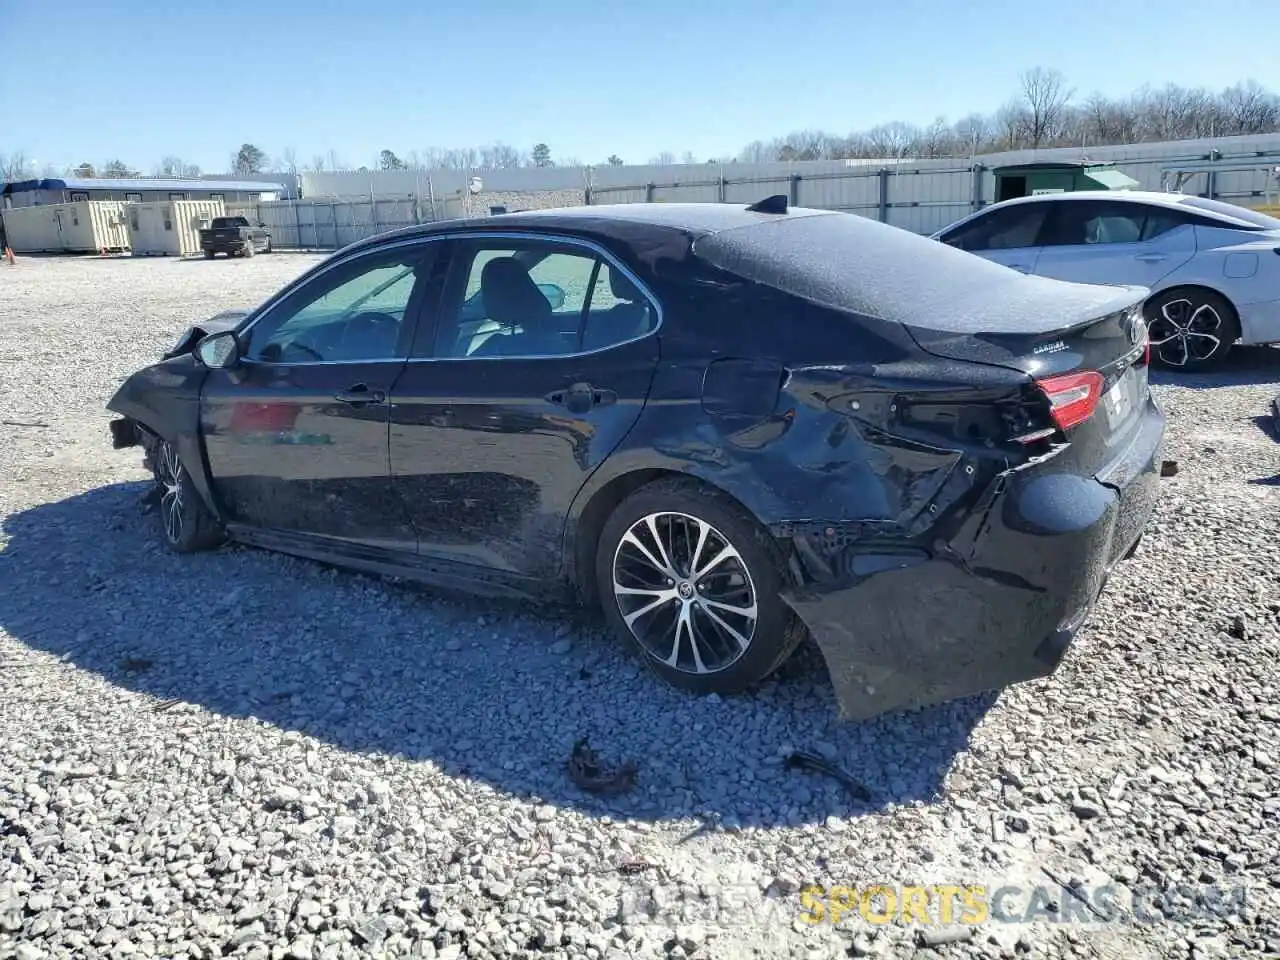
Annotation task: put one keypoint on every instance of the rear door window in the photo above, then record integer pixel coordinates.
(1106, 222)
(536, 298)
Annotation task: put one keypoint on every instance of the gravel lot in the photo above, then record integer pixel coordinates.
(239, 754)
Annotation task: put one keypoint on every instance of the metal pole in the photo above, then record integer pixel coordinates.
(976, 200)
(883, 174)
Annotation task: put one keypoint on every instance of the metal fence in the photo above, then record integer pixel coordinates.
(332, 224)
(920, 195)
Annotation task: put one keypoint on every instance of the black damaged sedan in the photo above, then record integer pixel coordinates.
(727, 425)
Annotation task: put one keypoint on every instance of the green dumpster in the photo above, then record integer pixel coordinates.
(1027, 179)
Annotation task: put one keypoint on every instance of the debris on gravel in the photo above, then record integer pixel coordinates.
(241, 754)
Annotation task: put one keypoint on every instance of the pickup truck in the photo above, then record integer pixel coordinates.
(232, 235)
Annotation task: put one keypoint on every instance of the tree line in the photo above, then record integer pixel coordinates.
(1044, 111)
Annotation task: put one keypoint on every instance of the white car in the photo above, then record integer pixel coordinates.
(1213, 268)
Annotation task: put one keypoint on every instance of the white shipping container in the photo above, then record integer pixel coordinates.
(170, 227)
(87, 226)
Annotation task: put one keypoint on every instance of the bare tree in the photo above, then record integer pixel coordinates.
(1044, 99)
(688, 157)
(289, 160)
(499, 156)
(937, 139)
(1249, 108)
(663, 159)
(172, 166)
(896, 139)
(1009, 123)
(14, 166)
(757, 151)
(972, 134)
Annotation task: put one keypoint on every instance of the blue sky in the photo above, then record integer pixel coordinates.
(138, 79)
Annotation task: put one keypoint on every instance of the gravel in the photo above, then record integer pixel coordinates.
(243, 754)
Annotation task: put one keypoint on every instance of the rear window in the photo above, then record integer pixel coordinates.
(1259, 221)
(861, 266)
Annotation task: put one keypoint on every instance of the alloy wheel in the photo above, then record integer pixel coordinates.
(684, 592)
(1184, 332)
(169, 471)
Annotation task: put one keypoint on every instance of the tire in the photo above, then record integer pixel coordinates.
(1190, 329)
(208, 254)
(247, 250)
(687, 515)
(186, 524)
(267, 248)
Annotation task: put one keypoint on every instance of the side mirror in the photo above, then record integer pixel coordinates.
(219, 351)
(261, 224)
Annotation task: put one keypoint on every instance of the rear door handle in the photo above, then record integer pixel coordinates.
(581, 397)
(1151, 257)
(359, 394)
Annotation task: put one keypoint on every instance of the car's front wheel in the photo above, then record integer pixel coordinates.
(1190, 329)
(693, 581)
(185, 522)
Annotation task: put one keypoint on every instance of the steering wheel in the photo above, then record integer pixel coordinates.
(370, 326)
(274, 352)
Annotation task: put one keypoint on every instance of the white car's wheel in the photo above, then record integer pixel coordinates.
(1190, 329)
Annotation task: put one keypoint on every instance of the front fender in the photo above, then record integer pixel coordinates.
(164, 399)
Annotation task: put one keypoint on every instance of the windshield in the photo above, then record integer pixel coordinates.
(1254, 217)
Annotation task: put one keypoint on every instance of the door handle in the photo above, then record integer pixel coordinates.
(360, 394)
(581, 397)
(1151, 257)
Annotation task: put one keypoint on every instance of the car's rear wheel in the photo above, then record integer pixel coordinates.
(267, 248)
(1190, 329)
(693, 582)
(185, 522)
(208, 254)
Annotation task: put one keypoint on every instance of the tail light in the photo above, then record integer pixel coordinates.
(1072, 397)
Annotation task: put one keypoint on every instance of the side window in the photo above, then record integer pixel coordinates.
(1004, 229)
(536, 298)
(1103, 222)
(353, 312)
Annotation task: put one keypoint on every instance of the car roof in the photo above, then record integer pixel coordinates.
(604, 221)
(1130, 196)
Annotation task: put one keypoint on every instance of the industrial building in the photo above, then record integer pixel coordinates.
(31, 193)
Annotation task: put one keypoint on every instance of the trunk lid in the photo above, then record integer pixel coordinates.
(1088, 369)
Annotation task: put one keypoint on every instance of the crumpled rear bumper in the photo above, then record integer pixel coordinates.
(999, 603)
